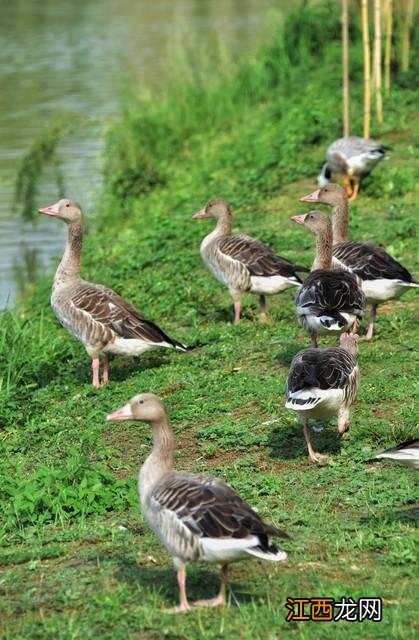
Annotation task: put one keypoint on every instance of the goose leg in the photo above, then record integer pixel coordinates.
(355, 190)
(237, 309)
(370, 329)
(221, 599)
(347, 185)
(262, 308)
(343, 421)
(183, 606)
(313, 455)
(95, 372)
(313, 340)
(106, 369)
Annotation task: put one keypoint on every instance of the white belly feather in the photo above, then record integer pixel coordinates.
(315, 402)
(132, 346)
(384, 289)
(314, 324)
(272, 284)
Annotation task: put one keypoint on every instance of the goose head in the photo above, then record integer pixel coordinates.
(331, 194)
(67, 210)
(315, 221)
(144, 407)
(215, 208)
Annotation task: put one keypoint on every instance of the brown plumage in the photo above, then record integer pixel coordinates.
(196, 517)
(330, 300)
(323, 383)
(94, 314)
(382, 278)
(242, 263)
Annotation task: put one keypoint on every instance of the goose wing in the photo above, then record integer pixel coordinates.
(406, 452)
(370, 261)
(209, 508)
(322, 368)
(257, 257)
(107, 308)
(330, 291)
(350, 146)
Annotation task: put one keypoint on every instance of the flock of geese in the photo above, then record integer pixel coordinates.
(199, 517)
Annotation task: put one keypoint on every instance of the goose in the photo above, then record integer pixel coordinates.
(407, 453)
(353, 156)
(323, 383)
(330, 300)
(242, 263)
(196, 517)
(382, 277)
(97, 316)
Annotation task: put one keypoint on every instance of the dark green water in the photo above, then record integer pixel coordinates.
(73, 57)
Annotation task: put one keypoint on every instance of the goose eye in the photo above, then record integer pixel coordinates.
(67, 204)
(141, 401)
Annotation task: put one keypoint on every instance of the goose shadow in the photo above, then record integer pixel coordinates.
(121, 369)
(288, 442)
(405, 515)
(200, 582)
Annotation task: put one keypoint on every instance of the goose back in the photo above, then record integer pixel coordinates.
(329, 300)
(320, 381)
(202, 518)
(355, 154)
(241, 262)
(103, 320)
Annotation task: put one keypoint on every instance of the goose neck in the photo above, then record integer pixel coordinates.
(160, 460)
(69, 267)
(324, 250)
(340, 222)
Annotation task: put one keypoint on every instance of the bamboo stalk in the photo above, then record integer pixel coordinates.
(388, 50)
(345, 68)
(367, 68)
(377, 61)
(407, 24)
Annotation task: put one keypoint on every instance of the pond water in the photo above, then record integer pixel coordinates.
(72, 57)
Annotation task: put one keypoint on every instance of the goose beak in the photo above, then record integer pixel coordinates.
(123, 413)
(200, 214)
(52, 210)
(311, 197)
(299, 219)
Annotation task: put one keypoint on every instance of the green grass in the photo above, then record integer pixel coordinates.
(77, 560)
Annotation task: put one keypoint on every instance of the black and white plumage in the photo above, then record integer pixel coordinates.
(330, 301)
(407, 453)
(97, 316)
(382, 278)
(323, 383)
(242, 263)
(354, 157)
(196, 517)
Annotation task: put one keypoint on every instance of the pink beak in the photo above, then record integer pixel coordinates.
(52, 210)
(199, 214)
(299, 219)
(123, 413)
(311, 197)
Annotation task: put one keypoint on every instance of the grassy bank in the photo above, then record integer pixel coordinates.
(77, 559)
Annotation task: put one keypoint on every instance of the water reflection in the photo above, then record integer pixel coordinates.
(61, 56)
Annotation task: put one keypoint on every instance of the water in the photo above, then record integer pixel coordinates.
(59, 56)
